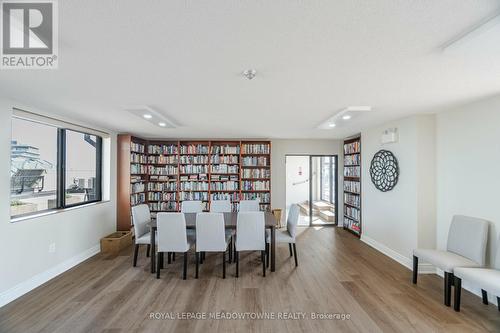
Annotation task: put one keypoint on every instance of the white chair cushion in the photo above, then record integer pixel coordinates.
(445, 260)
(145, 239)
(282, 236)
(485, 278)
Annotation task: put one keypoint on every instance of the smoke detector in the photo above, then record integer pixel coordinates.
(249, 73)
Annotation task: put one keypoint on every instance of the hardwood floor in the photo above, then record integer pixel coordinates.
(336, 274)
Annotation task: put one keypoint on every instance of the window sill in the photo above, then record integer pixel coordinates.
(55, 211)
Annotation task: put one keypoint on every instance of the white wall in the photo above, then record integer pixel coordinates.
(395, 222)
(297, 186)
(468, 151)
(24, 256)
(281, 148)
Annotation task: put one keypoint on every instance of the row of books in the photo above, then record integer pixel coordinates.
(254, 161)
(162, 159)
(194, 149)
(225, 149)
(165, 170)
(224, 168)
(167, 186)
(138, 198)
(352, 224)
(352, 199)
(136, 147)
(255, 149)
(193, 196)
(215, 178)
(162, 196)
(352, 171)
(352, 186)
(164, 178)
(194, 168)
(225, 196)
(352, 160)
(262, 197)
(255, 185)
(351, 148)
(194, 177)
(170, 149)
(138, 158)
(137, 187)
(224, 186)
(353, 213)
(166, 206)
(194, 186)
(138, 169)
(255, 173)
(216, 159)
(196, 159)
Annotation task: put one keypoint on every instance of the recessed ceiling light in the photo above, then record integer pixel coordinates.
(147, 116)
(346, 117)
(350, 112)
(162, 124)
(331, 125)
(156, 118)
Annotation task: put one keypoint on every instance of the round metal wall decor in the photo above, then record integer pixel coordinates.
(384, 170)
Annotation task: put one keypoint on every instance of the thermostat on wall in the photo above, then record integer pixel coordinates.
(390, 135)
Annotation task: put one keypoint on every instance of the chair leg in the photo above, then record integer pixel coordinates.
(458, 292)
(169, 258)
(148, 251)
(290, 248)
(498, 303)
(197, 256)
(158, 258)
(447, 288)
(136, 252)
(485, 296)
(173, 256)
(295, 254)
(237, 257)
(415, 269)
(184, 272)
(267, 255)
(263, 258)
(224, 264)
(230, 251)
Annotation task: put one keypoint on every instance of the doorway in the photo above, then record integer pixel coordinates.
(311, 182)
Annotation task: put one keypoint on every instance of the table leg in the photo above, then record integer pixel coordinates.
(153, 250)
(273, 249)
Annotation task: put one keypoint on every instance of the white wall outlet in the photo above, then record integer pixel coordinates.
(52, 248)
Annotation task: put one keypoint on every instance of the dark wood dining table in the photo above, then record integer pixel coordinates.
(230, 223)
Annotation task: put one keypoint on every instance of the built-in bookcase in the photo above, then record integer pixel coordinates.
(163, 174)
(352, 185)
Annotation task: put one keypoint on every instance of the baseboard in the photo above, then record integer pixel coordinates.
(423, 268)
(39, 279)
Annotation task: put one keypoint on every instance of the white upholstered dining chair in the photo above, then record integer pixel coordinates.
(220, 206)
(466, 247)
(141, 216)
(288, 235)
(249, 206)
(211, 237)
(194, 206)
(172, 238)
(250, 236)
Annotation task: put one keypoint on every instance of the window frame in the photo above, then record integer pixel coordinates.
(61, 149)
(330, 179)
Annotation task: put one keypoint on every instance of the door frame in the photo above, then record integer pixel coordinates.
(335, 158)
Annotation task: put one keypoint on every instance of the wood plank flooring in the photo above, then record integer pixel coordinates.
(337, 274)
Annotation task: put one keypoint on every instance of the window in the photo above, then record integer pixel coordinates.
(326, 178)
(52, 167)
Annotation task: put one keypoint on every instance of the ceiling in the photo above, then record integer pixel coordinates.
(184, 58)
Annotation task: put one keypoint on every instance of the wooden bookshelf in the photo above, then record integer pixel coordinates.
(171, 172)
(352, 186)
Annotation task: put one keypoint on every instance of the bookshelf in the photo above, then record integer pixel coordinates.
(164, 173)
(352, 185)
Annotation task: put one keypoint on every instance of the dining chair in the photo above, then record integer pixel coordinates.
(288, 235)
(466, 247)
(249, 206)
(211, 237)
(141, 216)
(220, 206)
(250, 236)
(194, 206)
(172, 238)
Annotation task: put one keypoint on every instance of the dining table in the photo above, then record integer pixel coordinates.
(229, 222)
